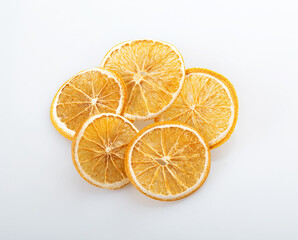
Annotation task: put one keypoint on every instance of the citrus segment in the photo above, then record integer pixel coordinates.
(207, 102)
(167, 161)
(99, 147)
(153, 72)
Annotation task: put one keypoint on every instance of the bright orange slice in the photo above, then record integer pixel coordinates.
(87, 93)
(167, 161)
(207, 102)
(153, 72)
(98, 150)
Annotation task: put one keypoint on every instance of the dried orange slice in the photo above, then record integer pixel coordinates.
(98, 150)
(207, 102)
(167, 161)
(153, 72)
(87, 93)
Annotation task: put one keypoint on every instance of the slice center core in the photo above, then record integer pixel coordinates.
(193, 107)
(163, 161)
(108, 149)
(138, 77)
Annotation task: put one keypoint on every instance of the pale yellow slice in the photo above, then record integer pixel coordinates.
(87, 93)
(98, 150)
(167, 161)
(207, 102)
(153, 72)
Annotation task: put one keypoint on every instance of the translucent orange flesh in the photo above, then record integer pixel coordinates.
(152, 72)
(203, 104)
(168, 160)
(102, 148)
(85, 95)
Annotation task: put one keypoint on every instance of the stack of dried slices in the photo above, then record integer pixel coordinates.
(194, 110)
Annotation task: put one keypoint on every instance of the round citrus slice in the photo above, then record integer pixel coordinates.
(98, 150)
(207, 102)
(167, 161)
(153, 72)
(87, 93)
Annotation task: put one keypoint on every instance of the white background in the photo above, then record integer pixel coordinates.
(251, 192)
